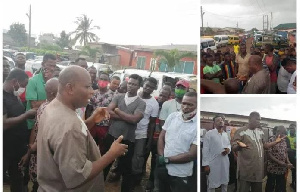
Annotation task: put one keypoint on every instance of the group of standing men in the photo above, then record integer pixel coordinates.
(247, 145)
(262, 71)
(73, 128)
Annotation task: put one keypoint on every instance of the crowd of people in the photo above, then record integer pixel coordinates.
(71, 126)
(262, 71)
(244, 156)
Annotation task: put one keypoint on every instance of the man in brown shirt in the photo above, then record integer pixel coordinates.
(68, 158)
(260, 82)
(250, 144)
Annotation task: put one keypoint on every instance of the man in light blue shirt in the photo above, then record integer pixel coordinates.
(177, 147)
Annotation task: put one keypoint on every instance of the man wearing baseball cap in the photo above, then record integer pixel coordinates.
(174, 105)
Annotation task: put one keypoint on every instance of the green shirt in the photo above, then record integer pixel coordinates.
(292, 142)
(212, 70)
(35, 91)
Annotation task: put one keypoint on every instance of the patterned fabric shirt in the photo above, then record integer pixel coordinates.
(32, 163)
(279, 151)
(102, 100)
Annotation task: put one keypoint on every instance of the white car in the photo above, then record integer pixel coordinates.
(11, 62)
(161, 77)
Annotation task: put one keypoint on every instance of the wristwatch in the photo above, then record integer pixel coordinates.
(167, 160)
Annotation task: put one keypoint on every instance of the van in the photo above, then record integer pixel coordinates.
(208, 43)
(233, 39)
(221, 40)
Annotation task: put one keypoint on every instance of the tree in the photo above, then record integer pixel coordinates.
(64, 40)
(91, 52)
(172, 57)
(83, 31)
(17, 32)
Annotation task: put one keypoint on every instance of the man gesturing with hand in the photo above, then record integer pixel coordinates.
(250, 144)
(68, 158)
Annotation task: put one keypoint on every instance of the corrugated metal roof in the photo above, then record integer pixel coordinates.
(286, 26)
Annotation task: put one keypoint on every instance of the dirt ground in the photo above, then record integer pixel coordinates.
(288, 188)
(111, 187)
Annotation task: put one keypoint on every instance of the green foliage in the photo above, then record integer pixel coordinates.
(172, 57)
(17, 32)
(49, 47)
(82, 32)
(64, 40)
(42, 51)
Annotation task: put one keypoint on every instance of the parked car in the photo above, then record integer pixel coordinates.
(28, 55)
(161, 77)
(221, 40)
(11, 62)
(102, 68)
(206, 43)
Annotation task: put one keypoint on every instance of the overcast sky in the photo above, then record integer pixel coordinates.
(225, 13)
(137, 22)
(283, 108)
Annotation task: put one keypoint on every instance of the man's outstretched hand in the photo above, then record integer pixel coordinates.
(100, 114)
(117, 148)
(242, 145)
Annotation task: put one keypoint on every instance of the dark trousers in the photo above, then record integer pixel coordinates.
(15, 174)
(168, 183)
(232, 170)
(124, 164)
(292, 158)
(276, 182)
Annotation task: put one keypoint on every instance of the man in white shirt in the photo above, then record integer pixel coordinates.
(177, 147)
(216, 147)
(291, 68)
(283, 77)
(145, 128)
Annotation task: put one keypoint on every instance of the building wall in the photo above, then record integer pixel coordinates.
(195, 63)
(146, 54)
(124, 57)
(109, 49)
(271, 123)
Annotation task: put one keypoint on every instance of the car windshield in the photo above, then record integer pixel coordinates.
(211, 43)
(204, 45)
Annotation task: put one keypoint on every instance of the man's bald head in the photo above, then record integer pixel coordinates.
(75, 87)
(72, 74)
(51, 84)
(232, 86)
(51, 88)
(255, 63)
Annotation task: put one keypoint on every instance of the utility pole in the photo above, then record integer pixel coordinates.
(202, 13)
(29, 34)
(271, 23)
(265, 23)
